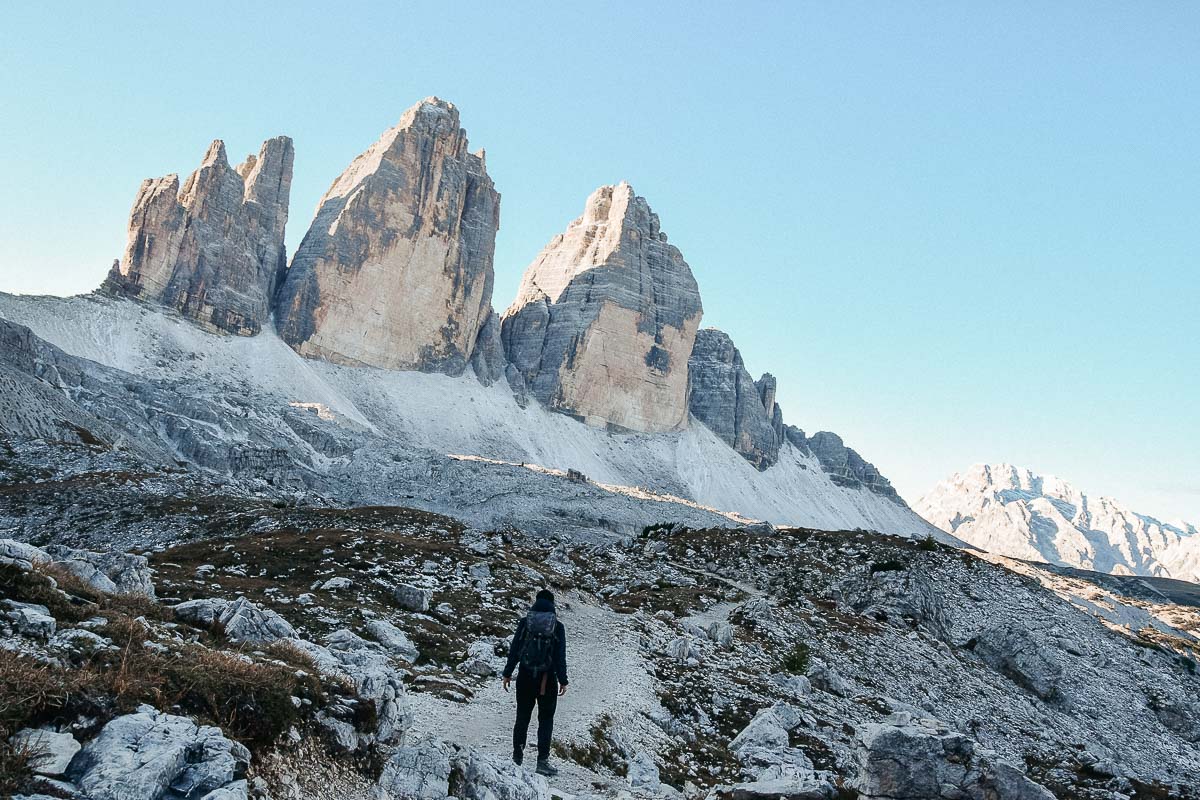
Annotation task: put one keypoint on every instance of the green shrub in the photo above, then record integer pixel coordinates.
(797, 659)
(928, 544)
(891, 565)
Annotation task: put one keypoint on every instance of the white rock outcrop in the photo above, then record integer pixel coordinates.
(396, 268)
(605, 319)
(212, 250)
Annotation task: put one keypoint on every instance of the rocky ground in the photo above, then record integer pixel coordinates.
(241, 645)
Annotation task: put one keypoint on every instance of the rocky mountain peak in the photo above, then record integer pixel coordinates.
(1017, 512)
(396, 269)
(605, 318)
(212, 250)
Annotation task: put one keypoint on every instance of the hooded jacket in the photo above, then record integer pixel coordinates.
(560, 644)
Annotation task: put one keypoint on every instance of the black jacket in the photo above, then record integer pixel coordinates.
(560, 649)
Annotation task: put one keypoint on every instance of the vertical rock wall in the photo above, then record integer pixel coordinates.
(214, 249)
(396, 269)
(604, 321)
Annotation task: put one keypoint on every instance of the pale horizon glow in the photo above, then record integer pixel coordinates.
(955, 233)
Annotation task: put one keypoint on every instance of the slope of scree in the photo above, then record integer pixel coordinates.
(736, 663)
(250, 409)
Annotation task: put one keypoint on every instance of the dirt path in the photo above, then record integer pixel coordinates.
(608, 676)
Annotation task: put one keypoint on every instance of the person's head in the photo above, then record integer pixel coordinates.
(547, 595)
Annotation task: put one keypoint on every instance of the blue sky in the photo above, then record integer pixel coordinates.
(956, 232)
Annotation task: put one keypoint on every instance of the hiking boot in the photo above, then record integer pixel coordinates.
(544, 768)
(518, 757)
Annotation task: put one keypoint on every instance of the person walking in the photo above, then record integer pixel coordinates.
(539, 645)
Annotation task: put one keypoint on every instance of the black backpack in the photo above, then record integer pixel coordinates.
(541, 635)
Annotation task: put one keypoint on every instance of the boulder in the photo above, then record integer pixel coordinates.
(605, 318)
(480, 660)
(416, 771)
(643, 772)
(212, 250)
(241, 620)
(29, 619)
(805, 787)
(766, 731)
(396, 269)
(367, 666)
(727, 400)
(113, 573)
(720, 632)
(413, 598)
(22, 555)
(1014, 651)
(906, 758)
(906, 598)
(483, 776)
(394, 640)
(52, 751)
(151, 755)
(680, 648)
(827, 679)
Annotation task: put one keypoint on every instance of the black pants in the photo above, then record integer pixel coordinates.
(529, 693)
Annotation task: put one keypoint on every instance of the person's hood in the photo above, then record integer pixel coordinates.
(542, 605)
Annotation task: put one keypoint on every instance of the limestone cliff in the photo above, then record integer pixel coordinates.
(604, 321)
(740, 410)
(214, 249)
(396, 268)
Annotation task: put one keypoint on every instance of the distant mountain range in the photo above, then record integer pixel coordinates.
(1015, 512)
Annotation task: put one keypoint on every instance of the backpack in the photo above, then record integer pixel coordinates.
(541, 635)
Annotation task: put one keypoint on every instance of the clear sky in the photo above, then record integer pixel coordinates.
(956, 232)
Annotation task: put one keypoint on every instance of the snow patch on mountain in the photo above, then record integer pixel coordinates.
(415, 412)
(1018, 513)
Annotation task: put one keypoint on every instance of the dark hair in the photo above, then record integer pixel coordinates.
(546, 594)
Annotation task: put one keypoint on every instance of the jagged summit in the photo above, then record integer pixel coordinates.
(212, 250)
(605, 318)
(1014, 511)
(396, 269)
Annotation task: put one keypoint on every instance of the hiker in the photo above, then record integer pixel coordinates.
(540, 647)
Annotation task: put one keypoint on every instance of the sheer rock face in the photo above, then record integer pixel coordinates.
(604, 322)
(740, 410)
(847, 468)
(214, 250)
(396, 269)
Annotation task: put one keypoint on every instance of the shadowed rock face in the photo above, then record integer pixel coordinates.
(214, 250)
(740, 410)
(396, 269)
(846, 467)
(604, 322)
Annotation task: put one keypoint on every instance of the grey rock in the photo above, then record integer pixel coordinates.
(52, 751)
(847, 468)
(756, 611)
(1014, 651)
(604, 321)
(766, 731)
(393, 639)
(807, 787)
(680, 648)
(241, 620)
(368, 667)
(480, 660)
(213, 250)
(484, 776)
(643, 772)
(151, 755)
(487, 359)
(725, 398)
(21, 554)
(396, 269)
(903, 597)
(416, 771)
(413, 598)
(721, 633)
(245, 621)
(114, 573)
(915, 759)
(827, 679)
(29, 619)
(77, 640)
